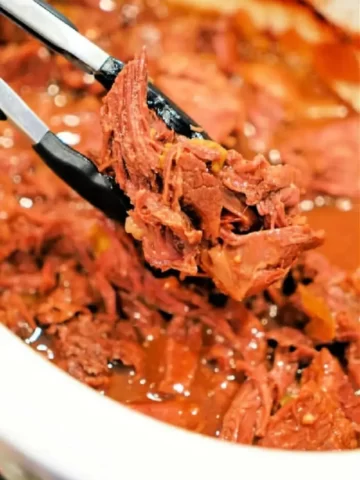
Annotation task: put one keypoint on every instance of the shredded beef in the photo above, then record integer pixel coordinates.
(249, 413)
(328, 375)
(240, 420)
(179, 221)
(87, 346)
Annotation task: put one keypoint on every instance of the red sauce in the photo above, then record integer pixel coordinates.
(343, 220)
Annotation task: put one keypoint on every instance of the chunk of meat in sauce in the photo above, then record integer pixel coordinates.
(85, 347)
(239, 424)
(261, 258)
(249, 412)
(312, 421)
(327, 373)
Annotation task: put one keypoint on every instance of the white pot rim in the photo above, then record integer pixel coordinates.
(74, 433)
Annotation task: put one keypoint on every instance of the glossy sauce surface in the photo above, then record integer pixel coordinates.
(200, 408)
(339, 220)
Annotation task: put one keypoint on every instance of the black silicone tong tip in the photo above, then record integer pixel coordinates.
(83, 176)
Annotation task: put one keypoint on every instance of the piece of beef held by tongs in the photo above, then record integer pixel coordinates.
(194, 206)
(197, 207)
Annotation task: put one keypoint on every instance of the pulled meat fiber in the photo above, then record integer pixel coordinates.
(187, 195)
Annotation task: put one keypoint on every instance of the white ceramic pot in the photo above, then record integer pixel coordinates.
(54, 428)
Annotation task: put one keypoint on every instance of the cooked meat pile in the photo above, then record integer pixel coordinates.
(192, 198)
(281, 367)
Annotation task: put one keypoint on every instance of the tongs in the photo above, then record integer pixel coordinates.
(53, 29)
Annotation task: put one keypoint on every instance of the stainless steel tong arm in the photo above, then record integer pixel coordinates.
(21, 115)
(39, 19)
